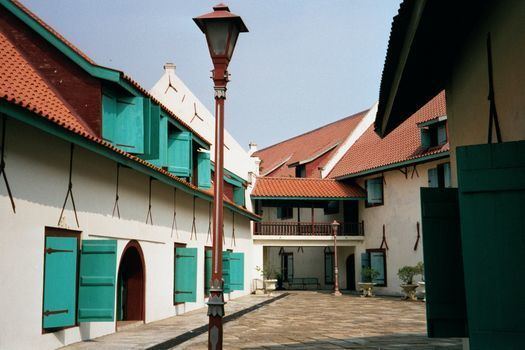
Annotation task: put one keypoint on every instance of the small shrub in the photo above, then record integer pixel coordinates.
(369, 274)
(407, 273)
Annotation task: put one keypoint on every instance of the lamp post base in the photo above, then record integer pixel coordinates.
(337, 293)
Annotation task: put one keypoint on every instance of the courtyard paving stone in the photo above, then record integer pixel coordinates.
(302, 320)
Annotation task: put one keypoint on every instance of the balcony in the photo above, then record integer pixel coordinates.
(308, 229)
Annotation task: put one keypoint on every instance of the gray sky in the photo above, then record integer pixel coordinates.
(304, 63)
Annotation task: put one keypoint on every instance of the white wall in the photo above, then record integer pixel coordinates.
(37, 168)
(399, 213)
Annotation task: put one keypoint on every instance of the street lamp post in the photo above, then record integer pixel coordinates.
(335, 228)
(222, 29)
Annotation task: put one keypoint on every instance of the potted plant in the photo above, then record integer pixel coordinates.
(268, 274)
(406, 275)
(369, 274)
(279, 278)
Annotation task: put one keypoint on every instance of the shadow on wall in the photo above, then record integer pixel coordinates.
(37, 166)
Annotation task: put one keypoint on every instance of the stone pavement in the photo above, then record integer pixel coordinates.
(302, 320)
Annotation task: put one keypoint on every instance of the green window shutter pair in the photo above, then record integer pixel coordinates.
(442, 134)
(60, 282)
(204, 169)
(96, 290)
(226, 271)
(207, 271)
(433, 178)
(152, 130)
(491, 181)
(185, 275)
(239, 196)
(96, 293)
(446, 309)
(237, 271)
(365, 263)
(377, 262)
(179, 153)
(374, 188)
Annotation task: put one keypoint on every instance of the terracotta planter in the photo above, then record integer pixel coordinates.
(410, 291)
(367, 288)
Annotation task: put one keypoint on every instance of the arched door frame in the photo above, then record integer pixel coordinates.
(135, 244)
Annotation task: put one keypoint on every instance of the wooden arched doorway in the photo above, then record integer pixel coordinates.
(350, 272)
(131, 285)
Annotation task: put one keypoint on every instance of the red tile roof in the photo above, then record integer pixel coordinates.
(124, 76)
(305, 188)
(21, 85)
(402, 144)
(306, 146)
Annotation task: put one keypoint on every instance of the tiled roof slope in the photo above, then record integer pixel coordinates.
(123, 75)
(306, 146)
(402, 144)
(21, 85)
(305, 188)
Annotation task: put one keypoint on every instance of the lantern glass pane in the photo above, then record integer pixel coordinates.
(217, 33)
(233, 40)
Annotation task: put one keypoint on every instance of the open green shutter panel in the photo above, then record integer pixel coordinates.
(377, 262)
(425, 138)
(151, 130)
(226, 271)
(185, 275)
(96, 292)
(129, 131)
(446, 174)
(207, 271)
(109, 117)
(60, 282)
(445, 292)
(179, 153)
(204, 169)
(491, 198)
(239, 196)
(162, 160)
(233, 181)
(237, 271)
(374, 190)
(433, 178)
(279, 212)
(442, 134)
(365, 262)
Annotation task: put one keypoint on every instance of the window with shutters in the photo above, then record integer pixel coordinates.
(185, 274)
(439, 177)
(374, 192)
(328, 267)
(434, 135)
(376, 260)
(300, 171)
(60, 279)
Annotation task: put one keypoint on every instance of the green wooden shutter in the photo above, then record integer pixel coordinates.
(60, 282)
(491, 197)
(425, 138)
(179, 153)
(207, 271)
(96, 292)
(129, 131)
(185, 275)
(204, 169)
(237, 271)
(226, 271)
(365, 262)
(280, 212)
(377, 262)
(151, 130)
(445, 292)
(433, 178)
(239, 196)
(109, 117)
(446, 174)
(162, 160)
(442, 134)
(374, 190)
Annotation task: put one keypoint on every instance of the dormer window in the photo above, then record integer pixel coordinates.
(434, 135)
(300, 170)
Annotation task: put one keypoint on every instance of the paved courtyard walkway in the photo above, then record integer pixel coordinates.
(301, 320)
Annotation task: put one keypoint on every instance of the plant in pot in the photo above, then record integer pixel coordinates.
(279, 278)
(268, 274)
(369, 274)
(406, 274)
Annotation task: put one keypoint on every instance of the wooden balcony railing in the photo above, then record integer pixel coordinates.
(308, 229)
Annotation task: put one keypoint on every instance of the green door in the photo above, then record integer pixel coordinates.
(492, 206)
(445, 292)
(60, 282)
(185, 275)
(96, 292)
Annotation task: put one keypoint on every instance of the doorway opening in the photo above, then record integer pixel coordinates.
(350, 272)
(131, 287)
